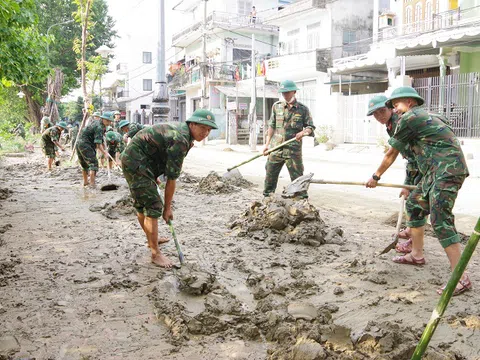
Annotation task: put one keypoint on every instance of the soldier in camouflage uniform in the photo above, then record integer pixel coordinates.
(45, 123)
(129, 129)
(114, 146)
(91, 139)
(73, 135)
(443, 166)
(19, 131)
(387, 117)
(50, 139)
(156, 150)
(289, 119)
(116, 121)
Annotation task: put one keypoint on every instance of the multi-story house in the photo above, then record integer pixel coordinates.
(230, 25)
(312, 34)
(432, 45)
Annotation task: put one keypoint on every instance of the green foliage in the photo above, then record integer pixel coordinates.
(73, 110)
(323, 133)
(12, 110)
(22, 47)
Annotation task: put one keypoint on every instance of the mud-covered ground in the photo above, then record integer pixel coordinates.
(266, 279)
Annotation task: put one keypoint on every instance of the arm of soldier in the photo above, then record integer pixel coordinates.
(175, 155)
(270, 131)
(387, 161)
(58, 144)
(307, 125)
(169, 191)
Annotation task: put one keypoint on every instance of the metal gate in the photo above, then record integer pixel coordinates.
(455, 96)
(358, 127)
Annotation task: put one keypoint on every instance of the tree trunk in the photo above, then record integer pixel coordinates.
(34, 109)
(83, 55)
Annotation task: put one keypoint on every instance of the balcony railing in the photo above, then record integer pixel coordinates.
(224, 19)
(185, 77)
(445, 20)
(123, 93)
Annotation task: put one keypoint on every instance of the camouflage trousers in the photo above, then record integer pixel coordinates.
(87, 156)
(274, 165)
(48, 149)
(144, 190)
(438, 203)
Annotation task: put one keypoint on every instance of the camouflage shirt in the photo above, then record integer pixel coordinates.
(412, 172)
(50, 135)
(286, 123)
(93, 133)
(436, 148)
(116, 144)
(133, 129)
(45, 123)
(159, 149)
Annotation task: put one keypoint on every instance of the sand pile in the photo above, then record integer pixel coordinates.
(120, 207)
(214, 184)
(279, 220)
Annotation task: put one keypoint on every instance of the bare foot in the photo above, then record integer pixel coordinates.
(162, 260)
(163, 240)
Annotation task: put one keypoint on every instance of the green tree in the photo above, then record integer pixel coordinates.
(12, 109)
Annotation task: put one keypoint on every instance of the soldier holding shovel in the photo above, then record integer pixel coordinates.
(290, 119)
(153, 151)
(444, 169)
(387, 117)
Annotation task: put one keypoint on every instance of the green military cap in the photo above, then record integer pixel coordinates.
(204, 117)
(287, 85)
(404, 92)
(376, 103)
(107, 116)
(117, 113)
(62, 124)
(96, 113)
(111, 135)
(123, 123)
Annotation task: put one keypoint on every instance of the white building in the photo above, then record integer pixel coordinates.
(228, 54)
(312, 33)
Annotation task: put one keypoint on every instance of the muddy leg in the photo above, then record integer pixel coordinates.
(150, 227)
(141, 221)
(92, 178)
(49, 163)
(85, 178)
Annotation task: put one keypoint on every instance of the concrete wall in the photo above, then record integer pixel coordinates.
(469, 62)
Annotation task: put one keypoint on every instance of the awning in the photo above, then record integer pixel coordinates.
(242, 90)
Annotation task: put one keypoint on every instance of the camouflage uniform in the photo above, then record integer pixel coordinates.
(442, 164)
(286, 123)
(134, 128)
(73, 135)
(115, 145)
(155, 150)
(48, 137)
(45, 123)
(90, 137)
(20, 131)
(413, 175)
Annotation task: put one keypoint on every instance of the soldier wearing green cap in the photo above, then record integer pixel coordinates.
(50, 139)
(443, 166)
(114, 146)
(129, 129)
(117, 119)
(290, 119)
(153, 151)
(91, 139)
(387, 117)
(45, 123)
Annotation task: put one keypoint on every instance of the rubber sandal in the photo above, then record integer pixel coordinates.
(403, 260)
(466, 285)
(404, 247)
(403, 234)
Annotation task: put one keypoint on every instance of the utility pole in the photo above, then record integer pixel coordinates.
(253, 113)
(203, 67)
(160, 108)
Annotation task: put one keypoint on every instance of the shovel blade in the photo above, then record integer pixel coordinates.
(299, 186)
(391, 246)
(232, 174)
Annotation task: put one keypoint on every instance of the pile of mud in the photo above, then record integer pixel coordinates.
(291, 330)
(120, 207)
(278, 220)
(214, 184)
(195, 281)
(5, 193)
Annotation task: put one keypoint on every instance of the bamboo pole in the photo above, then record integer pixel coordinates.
(447, 293)
(328, 182)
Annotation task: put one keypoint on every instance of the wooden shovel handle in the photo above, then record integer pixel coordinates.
(328, 182)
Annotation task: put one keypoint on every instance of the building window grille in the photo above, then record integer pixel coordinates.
(147, 57)
(147, 84)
